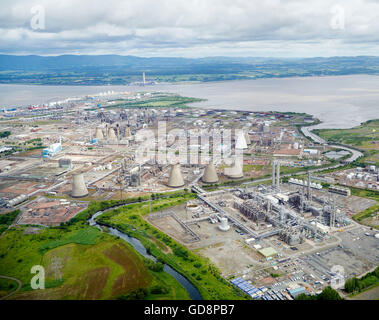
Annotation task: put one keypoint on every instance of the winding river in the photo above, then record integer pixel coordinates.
(138, 246)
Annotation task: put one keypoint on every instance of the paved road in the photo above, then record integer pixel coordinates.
(355, 154)
(15, 291)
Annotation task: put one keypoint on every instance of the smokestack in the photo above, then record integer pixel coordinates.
(176, 179)
(210, 174)
(99, 134)
(273, 172)
(79, 188)
(277, 174)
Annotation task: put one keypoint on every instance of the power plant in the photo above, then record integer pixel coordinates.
(176, 179)
(210, 174)
(79, 188)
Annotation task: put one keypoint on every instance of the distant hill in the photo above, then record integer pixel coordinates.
(117, 69)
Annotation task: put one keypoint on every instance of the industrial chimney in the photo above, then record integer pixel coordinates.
(79, 188)
(210, 174)
(176, 179)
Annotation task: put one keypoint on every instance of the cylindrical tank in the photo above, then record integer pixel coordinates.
(224, 226)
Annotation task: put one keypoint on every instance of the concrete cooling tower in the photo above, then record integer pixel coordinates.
(79, 188)
(210, 174)
(99, 134)
(111, 134)
(236, 171)
(176, 179)
(224, 226)
(127, 133)
(241, 141)
(247, 138)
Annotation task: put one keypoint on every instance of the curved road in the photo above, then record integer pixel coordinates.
(15, 291)
(355, 154)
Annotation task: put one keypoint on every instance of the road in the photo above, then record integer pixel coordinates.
(15, 291)
(355, 154)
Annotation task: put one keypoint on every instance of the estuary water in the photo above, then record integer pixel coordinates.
(338, 101)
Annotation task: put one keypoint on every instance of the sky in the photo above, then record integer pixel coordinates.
(190, 28)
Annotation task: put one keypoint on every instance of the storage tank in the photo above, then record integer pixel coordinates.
(176, 179)
(224, 226)
(79, 188)
(210, 174)
(247, 138)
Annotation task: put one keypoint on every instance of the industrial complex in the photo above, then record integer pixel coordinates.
(265, 212)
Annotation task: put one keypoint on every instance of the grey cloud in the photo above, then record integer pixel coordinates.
(191, 27)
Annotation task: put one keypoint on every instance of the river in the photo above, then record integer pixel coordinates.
(138, 246)
(338, 101)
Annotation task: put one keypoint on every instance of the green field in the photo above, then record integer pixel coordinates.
(365, 215)
(364, 136)
(198, 269)
(80, 262)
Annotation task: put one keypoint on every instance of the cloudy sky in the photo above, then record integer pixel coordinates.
(190, 28)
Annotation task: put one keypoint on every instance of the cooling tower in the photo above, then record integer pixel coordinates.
(99, 134)
(247, 138)
(224, 225)
(111, 134)
(241, 141)
(236, 171)
(127, 132)
(210, 174)
(79, 188)
(176, 179)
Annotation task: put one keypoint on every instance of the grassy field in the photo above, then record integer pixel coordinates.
(156, 102)
(365, 215)
(7, 286)
(197, 269)
(80, 262)
(364, 136)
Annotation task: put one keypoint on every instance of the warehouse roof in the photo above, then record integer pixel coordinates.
(268, 252)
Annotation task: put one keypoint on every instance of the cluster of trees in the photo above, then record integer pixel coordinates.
(327, 294)
(5, 134)
(357, 285)
(154, 266)
(7, 219)
(138, 294)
